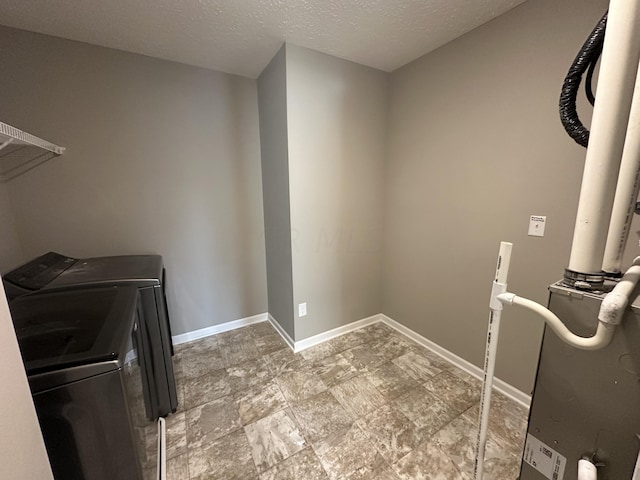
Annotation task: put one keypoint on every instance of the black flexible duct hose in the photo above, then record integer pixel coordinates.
(587, 56)
(588, 83)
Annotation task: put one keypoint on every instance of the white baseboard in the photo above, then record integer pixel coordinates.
(336, 332)
(285, 336)
(223, 327)
(500, 385)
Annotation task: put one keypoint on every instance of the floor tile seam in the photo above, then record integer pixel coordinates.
(441, 452)
(351, 346)
(359, 373)
(506, 446)
(319, 460)
(314, 445)
(491, 431)
(439, 374)
(415, 377)
(273, 413)
(292, 409)
(502, 452)
(353, 416)
(308, 447)
(189, 457)
(242, 392)
(271, 367)
(186, 454)
(455, 464)
(375, 443)
(311, 444)
(253, 460)
(303, 399)
(500, 448)
(277, 380)
(208, 400)
(512, 415)
(432, 435)
(392, 396)
(445, 400)
(390, 406)
(497, 437)
(192, 441)
(210, 372)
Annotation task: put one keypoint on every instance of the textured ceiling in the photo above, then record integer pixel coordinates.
(241, 36)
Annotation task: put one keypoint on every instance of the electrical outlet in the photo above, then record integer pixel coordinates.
(536, 225)
(302, 309)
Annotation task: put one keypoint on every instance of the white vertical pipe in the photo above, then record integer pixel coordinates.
(504, 259)
(626, 190)
(493, 330)
(587, 470)
(161, 473)
(636, 471)
(621, 52)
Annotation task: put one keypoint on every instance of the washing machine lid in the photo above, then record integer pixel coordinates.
(58, 330)
(138, 270)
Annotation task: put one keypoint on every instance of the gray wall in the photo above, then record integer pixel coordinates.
(272, 99)
(475, 148)
(337, 114)
(161, 158)
(10, 248)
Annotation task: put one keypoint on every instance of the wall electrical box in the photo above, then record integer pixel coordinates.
(536, 225)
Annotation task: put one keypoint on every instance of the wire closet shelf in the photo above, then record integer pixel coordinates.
(20, 152)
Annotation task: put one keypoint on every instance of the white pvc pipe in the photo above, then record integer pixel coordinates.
(493, 331)
(504, 260)
(602, 337)
(485, 397)
(614, 303)
(161, 473)
(626, 190)
(587, 470)
(636, 470)
(621, 52)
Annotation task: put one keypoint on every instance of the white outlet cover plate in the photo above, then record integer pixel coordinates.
(536, 225)
(302, 309)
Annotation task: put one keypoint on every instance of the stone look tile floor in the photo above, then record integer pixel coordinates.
(371, 404)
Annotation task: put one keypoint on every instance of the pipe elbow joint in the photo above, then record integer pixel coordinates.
(506, 298)
(612, 308)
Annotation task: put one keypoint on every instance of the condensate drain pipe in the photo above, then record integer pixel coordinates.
(610, 314)
(495, 307)
(587, 470)
(602, 337)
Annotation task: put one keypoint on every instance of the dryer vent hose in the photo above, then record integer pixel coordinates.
(585, 61)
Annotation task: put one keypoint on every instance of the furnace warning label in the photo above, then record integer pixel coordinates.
(544, 458)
